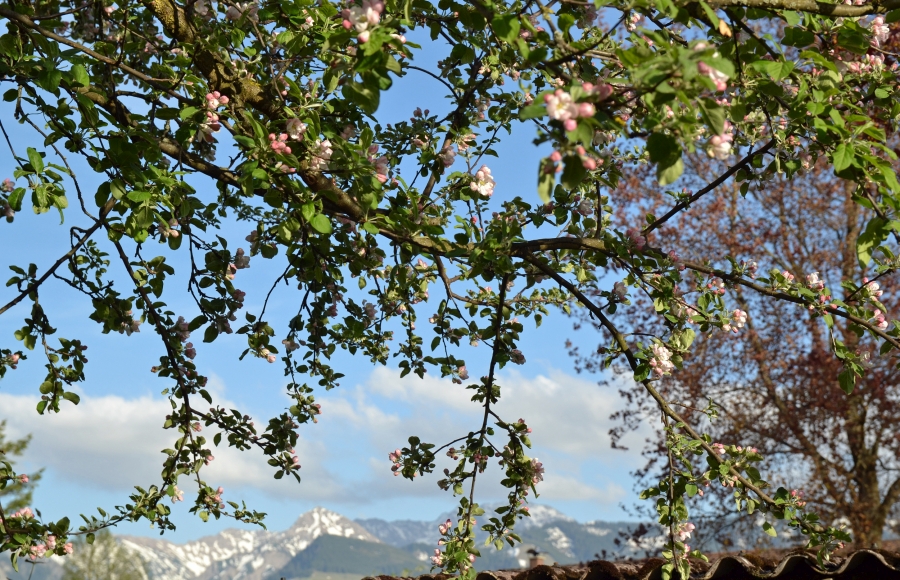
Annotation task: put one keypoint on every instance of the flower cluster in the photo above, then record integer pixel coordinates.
(636, 238)
(718, 78)
(395, 457)
(562, 107)
(738, 320)
(217, 498)
(483, 183)
(321, 155)
(814, 282)
(684, 531)
(716, 286)
(537, 469)
(880, 31)
(447, 155)
(660, 361)
(720, 146)
(130, 326)
(295, 129)
(872, 289)
(239, 10)
(381, 164)
(278, 143)
(362, 17)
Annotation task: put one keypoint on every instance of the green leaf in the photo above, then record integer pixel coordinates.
(778, 70)
(321, 224)
(80, 75)
(843, 157)
(188, 112)
(573, 173)
(669, 174)
(847, 380)
(139, 196)
(714, 115)
(506, 27)
(663, 149)
(72, 397)
(365, 97)
(546, 181)
(37, 162)
(532, 111)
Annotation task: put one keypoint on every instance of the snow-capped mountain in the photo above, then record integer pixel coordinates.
(404, 532)
(324, 541)
(241, 554)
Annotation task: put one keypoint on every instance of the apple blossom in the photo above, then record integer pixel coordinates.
(660, 360)
(483, 183)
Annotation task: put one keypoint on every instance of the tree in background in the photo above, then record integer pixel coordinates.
(384, 226)
(103, 559)
(773, 383)
(17, 493)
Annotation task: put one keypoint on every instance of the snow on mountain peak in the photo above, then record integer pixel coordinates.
(542, 515)
(241, 554)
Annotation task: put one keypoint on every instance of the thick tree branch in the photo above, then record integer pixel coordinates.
(836, 10)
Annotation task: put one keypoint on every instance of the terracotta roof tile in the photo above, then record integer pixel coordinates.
(860, 565)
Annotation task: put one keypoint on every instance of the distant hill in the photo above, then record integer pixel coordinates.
(350, 556)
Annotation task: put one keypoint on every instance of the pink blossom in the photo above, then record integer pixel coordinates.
(214, 100)
(880, 31)
(684, 532)
(484, 182)
(879, 321)
(321, 155)
(560, 106)
(8, 185)
(636, 238)
(23, 478)
(537, 469)
(68, 548)
(660, 360)
(739, 318)
(295, 129)
(238, 10)
(447, 155)
(463, 372)
(719, 78)
(814, 282)
(720, 146)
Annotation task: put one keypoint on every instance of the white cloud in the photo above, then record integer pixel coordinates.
(113, 443)
(569, 417)
(568, 414)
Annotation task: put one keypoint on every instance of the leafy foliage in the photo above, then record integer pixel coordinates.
(369, 220)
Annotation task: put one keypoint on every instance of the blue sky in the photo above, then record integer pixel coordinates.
(93, 454)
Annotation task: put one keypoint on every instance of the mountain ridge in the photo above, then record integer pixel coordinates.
(321, 540)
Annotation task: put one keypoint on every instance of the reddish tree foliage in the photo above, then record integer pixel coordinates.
(775, 380)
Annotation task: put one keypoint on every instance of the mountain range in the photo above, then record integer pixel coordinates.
(324, 545)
